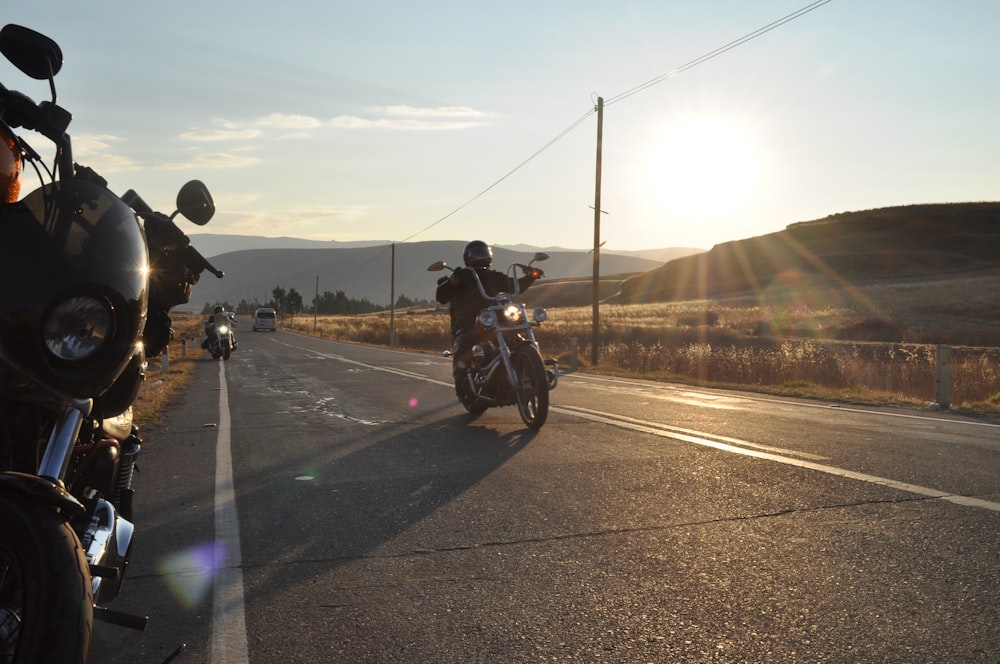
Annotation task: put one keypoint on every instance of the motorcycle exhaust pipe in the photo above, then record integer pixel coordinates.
(109, 539)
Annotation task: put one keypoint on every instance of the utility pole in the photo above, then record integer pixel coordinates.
(392, 299)
(597, 235)
(316, 306)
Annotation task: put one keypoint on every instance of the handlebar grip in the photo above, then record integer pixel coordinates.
(134, 201)
(198, 263)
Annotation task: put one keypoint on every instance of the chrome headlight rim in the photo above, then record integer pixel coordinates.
(512, 315)
(487, 319)
(539, 314)
(78, 327)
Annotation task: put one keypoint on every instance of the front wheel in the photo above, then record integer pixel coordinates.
(46, 602)
(226, 351)
(532, 390)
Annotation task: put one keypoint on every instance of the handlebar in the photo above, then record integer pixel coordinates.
(499, 297)
(162, 229)
(18, 110)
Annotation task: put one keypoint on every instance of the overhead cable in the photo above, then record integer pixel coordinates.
(628, 93)
(717, 52)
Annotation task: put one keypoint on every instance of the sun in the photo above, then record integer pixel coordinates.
(703, 168)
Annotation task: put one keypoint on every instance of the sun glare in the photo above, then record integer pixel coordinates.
(703, 169)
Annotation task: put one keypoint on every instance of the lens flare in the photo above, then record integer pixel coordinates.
(189, 574)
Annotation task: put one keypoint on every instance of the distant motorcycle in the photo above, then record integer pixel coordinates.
(507, 366)
(221, 341)
(87, 292)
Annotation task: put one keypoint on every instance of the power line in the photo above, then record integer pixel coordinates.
(620, 97)
(507, 175)
(540, 150)
(717, 52)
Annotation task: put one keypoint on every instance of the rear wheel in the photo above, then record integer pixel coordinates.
(46, 606)
(532, 390)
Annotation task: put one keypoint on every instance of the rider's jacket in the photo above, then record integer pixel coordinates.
(460, 293)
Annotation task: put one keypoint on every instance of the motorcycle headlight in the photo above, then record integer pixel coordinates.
(223, 329)
(486, 320)
(512, 315)
(539, 314)
(76, 328)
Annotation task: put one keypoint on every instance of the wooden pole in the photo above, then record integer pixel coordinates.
(392, 300)
(594, 337)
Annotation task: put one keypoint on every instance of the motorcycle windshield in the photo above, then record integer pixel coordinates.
(94, 231)
(62, 241)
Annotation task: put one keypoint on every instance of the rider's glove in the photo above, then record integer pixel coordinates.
(460, 276)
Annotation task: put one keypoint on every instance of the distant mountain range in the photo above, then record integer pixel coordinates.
(912, 242)
(254, 266)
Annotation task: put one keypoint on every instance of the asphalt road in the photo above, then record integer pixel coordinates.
(320, 502)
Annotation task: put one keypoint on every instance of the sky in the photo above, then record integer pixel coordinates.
(410, 121)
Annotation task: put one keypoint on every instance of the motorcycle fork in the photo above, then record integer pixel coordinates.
(59, 449)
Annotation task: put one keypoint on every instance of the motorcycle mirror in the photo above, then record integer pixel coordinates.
(540, 256)
(32, 52)
(437, 267)
(195, 202)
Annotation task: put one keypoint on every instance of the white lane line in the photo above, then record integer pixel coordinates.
(742, 447)
(229, 634)
(657, 430)
(575, 410)
(614, 382)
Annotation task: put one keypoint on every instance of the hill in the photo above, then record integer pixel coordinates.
(906, 242)
(210, 244)
(364, 272)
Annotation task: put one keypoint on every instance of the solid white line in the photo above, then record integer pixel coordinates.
(229, 634)
(634, 425)
(747, 396)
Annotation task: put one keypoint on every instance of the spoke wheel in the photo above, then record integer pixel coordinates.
(532, 390)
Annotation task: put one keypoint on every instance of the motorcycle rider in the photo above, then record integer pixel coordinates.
(218, 316)
(460, 292)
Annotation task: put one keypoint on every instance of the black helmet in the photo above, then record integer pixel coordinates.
(218, 309)
(477, 254)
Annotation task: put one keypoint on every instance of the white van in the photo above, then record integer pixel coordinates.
(263, 319)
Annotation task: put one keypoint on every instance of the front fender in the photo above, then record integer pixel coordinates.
(41, 490)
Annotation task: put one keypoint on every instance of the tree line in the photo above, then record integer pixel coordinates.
(290, 302)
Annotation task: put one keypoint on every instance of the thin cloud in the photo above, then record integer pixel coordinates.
(323, 222)
(397, 117)
(221, 134)
(214, 161)
(439, 112)
(289, 121)
(412, 118)
(95, 150)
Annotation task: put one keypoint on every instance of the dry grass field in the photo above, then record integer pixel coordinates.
(874, 344)
(160, 389)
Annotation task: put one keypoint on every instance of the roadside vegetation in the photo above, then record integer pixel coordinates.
(876, 347)
(161, 389)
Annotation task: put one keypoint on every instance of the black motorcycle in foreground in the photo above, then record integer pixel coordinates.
(86, 295)
(507, 366)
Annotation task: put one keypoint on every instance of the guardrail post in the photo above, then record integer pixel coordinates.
(942, 376)
(164, 361)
